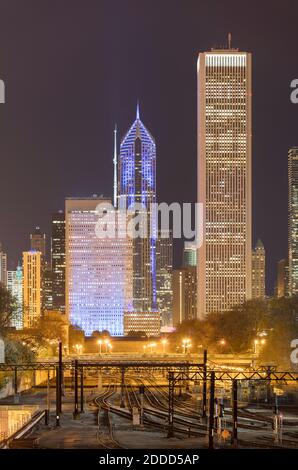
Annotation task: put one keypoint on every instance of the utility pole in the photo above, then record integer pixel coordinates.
(142, 391)
(234, 413)
(211, 410)
(204, 391)
(57, 397)
(60, 376)
(82, 389)
(76, 398)
(171, 405)
(122, 403)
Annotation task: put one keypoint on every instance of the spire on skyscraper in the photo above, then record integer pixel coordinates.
(138, 111)
(115, 166)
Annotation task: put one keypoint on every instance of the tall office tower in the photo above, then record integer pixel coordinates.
(137, 185)
(38, 241)
(184, 294)
(58, 261)
(32, 287)
(282, 278)
(47, 286)
(3, 266)
(15, 287)
(190, 254)
(98, 269)
(293, 220)
(164, 273)
(224, 178)
(258, 271)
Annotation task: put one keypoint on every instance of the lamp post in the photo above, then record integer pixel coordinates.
(100, 344)
(186, 343)
(164, 343)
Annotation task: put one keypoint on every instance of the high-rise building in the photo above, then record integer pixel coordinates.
(184, 294)
(32, 287)
(38, 241)
(47, 287)
(282, 278)
(164, 273)
(137, 185)
(3, 266)
(190, 254)
(15, 287)
(293, 220)
(224, 178)
(98, 269)
(258, 271)
(58, 261)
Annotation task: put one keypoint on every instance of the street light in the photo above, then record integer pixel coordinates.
(186, 343)
(107, 345)
(164, 342)
(100, 344)
(151, 346)
(78, 348)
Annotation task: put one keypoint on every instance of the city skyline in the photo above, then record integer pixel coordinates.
(85, 132)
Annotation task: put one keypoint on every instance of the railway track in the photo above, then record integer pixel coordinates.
(186, 420)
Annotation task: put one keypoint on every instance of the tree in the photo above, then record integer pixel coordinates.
(15, 349)
(8, 309)
(274, 320)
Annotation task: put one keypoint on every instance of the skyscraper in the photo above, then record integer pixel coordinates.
(224, 178)
(190, 254)
(32, 288)
(98, 269)
(164, 273)
(137, 185)
(58, 261)
(258, 271)
(282, 283)
(47, 286)
(15, 287)
(38, 241)
(184, 294)
(293, 220)
(3, 266)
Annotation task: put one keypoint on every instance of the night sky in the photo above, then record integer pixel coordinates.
(74, 67)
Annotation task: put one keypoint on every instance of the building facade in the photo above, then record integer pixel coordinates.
(15, 287)
(32, 288)
(258, 262)
(190, 254)
(293, 220)
(184, 294)
(98, 269)
(164, 275)
(145, 322)
(224, 179)
(282, 282)
(58, 261)
(137, 186)
(3, 266)
(38, 241)
(47, 286)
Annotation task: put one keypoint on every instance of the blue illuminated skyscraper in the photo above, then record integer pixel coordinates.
(137, 184)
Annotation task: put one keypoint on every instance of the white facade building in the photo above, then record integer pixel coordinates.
(15, 287)
(224, 179)
(98, 270)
